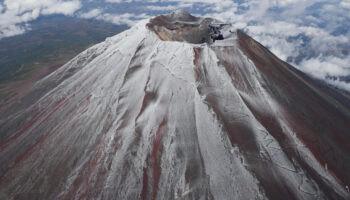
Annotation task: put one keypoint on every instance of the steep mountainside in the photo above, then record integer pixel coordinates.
(177, 107)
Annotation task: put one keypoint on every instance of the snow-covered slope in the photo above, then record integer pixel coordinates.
(162, 112)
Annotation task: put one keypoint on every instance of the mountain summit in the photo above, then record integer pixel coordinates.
(177, 107)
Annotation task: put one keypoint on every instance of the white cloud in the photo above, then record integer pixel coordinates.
(126, 18)
(162, 8)
(325, 66)
(339, 84)
(345, 4)
(65, 8)
(114, 1)
(328, 68)
(12, 30)
(16, 13)
(170, 8)
(91, 14)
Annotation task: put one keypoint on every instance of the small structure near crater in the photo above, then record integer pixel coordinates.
(215, 32)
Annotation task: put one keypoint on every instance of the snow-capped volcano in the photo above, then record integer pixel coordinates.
(177, 107)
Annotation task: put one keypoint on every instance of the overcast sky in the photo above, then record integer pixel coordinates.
(313, 35)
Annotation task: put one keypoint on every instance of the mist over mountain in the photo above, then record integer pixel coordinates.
(177, 107)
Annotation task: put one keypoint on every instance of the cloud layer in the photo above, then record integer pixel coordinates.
(313, 35)
(15, 14)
